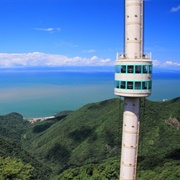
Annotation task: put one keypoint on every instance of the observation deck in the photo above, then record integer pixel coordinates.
(133, 77)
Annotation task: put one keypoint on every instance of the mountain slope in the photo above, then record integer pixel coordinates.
(93, 133)
(12, 127)
(86, 135)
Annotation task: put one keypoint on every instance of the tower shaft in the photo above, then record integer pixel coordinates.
(133, 51)
(130, 136)
(132, 81)
(133, 29)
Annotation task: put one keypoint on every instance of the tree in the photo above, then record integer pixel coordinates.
(15, 169)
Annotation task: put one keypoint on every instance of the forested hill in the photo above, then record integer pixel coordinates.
(85, 144)
(16, 162)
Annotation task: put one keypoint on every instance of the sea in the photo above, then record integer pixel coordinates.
(45, 92)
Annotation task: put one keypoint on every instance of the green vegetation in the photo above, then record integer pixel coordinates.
(85, 144)
(15, 169)
(13, 154)
(108, 169)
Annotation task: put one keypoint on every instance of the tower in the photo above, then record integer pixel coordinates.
(132, 81)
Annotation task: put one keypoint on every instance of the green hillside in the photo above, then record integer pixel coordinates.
(85, 144)
(84, 136)
(14, 159)
(12, 126)
(92, 134)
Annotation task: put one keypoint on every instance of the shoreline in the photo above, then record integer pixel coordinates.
(34, 120)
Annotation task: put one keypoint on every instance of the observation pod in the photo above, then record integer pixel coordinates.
(133, 77)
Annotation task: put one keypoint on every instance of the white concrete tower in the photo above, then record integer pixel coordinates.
(132, 81)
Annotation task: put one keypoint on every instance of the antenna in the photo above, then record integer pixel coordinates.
(133, 80)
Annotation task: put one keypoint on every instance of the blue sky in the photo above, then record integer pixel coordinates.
(83, 32)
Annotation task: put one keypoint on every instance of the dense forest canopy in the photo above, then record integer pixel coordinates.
(85, 144)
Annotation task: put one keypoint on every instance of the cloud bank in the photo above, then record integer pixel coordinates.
(39, 59)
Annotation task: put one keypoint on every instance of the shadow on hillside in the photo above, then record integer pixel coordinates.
(175, 155)
(58, 153)
(81, 134)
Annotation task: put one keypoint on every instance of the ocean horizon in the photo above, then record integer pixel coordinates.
(45, 92)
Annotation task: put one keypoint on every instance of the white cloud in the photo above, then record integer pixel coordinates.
(36, 59)
(39, 59)
(175, 9)
(156, 63)
(171, 63)
(166, 64)
(48, 29)
(89, 51)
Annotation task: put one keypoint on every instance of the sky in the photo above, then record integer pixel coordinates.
(49, 33)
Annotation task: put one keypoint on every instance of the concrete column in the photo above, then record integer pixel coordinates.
(130, 137)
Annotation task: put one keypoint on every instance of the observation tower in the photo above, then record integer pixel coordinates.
(132, 81)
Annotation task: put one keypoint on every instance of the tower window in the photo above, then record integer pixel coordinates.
(144, 85)
(150, 69)
(145, 69)
(117, 84)
(137, 85)
(130, 69)
(118, 69)
(123, 69)
(123, 84)
(150, 84)
(129, 85)
(138, 69)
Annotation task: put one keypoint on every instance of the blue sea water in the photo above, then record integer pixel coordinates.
(38, 93)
